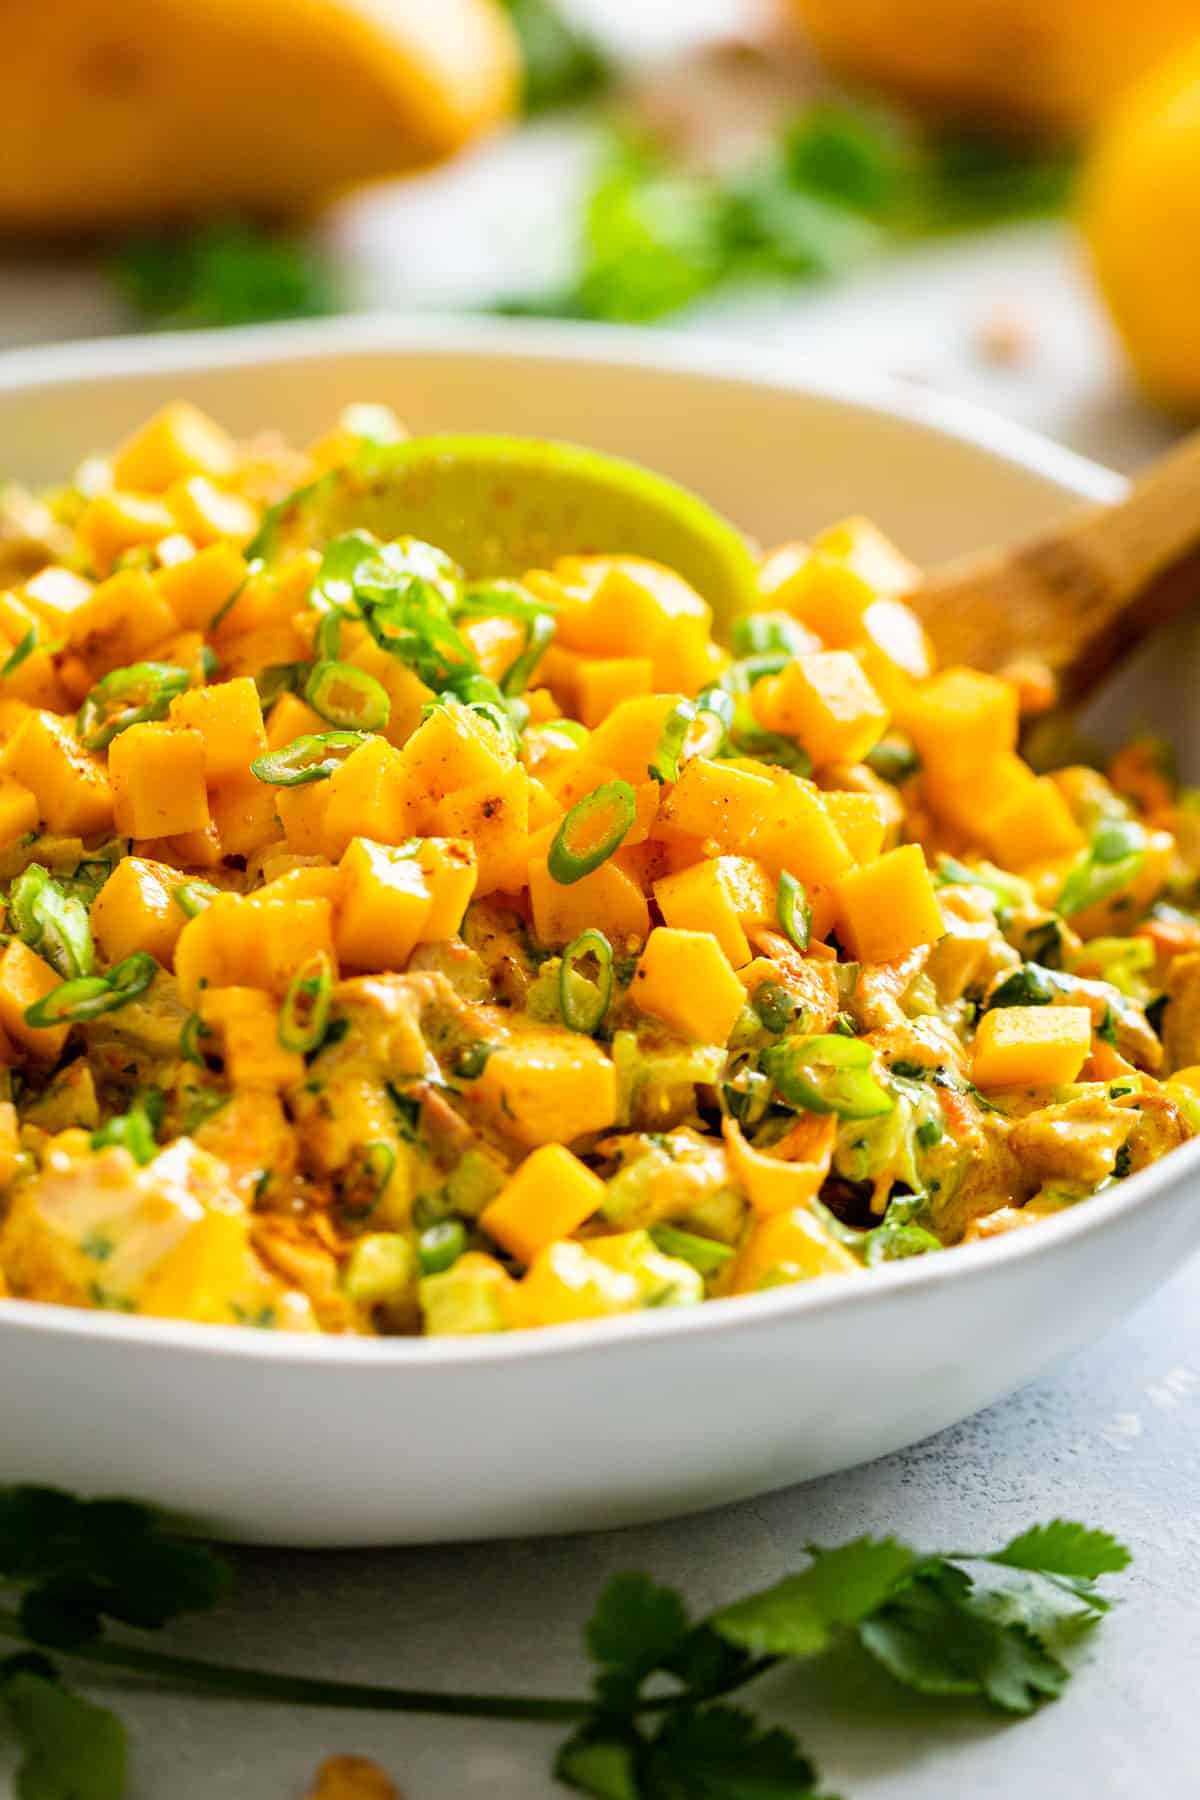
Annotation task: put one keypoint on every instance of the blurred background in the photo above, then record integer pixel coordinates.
(999, 198)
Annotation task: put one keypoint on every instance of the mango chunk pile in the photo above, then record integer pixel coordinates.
(390, 950)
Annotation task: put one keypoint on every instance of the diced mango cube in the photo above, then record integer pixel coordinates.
(301, 812)
(115, 522)
(606, 898)
(136, 909)
(718, 801)
(684, 979)
(825, 700)
(1031, 1046)
(198, 588)
(790, 1246)
(157, 776)
(860, 544)
(1033, 825)
(448, 865)
(383, 905)
(120, 621)
(18, 811)
(627, 740)
(407, 694)
(370, 796)
(887, 907)
(24, 979)
(608, 603)
(454, 747)
(549, 1197)
(246, 1020)
(494, 815)
(259, 941)
(55, 594)
(545, 1084)
(178, 441)
(495, 643)
(565, 1285)
(291, 718)
(722, 896)
(798, 834)
(602, 682)
(861, 821)
(962, 717)
(820, 591)
(206, 512)
(229, 719)
(243, 813)
(69, 783)
(964, 794)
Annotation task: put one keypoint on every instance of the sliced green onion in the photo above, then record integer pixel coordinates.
(194, 897)
(595, 827)
(583, 1003)
(280, 678)
(76, 1002)
(710, 729)
(304, 1015)
(135, 1130)
(756, 634)
(328, 640)
(775, 1007)
(311, 758)
(893, 759)
(541, 632)
(126, 697)
(210, 662)
(704, 1253)
(470, 1060)
(414, 627)
(361, 1193)
(52, 922)
(1110, 863)
(793, 911)
(194, 1029)
(440, 1246)
(827, 1074)
(265, 542)
(892, 1243)
(664, 765)
(25, 648)
(348, 696)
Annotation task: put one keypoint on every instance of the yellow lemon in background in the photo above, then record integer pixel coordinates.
(1140, 211)
(119, 112)
(1055, 65)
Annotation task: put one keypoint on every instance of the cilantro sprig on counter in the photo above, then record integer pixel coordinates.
(839, 184)
(998, 1626)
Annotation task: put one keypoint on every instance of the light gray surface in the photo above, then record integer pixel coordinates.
(1110, 1438)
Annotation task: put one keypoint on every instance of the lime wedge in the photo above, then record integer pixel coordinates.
(502, 505)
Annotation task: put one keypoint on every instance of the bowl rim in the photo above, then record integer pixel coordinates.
(712, 359)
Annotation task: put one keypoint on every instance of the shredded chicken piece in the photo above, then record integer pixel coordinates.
(875, 1001)
(1076, 1141)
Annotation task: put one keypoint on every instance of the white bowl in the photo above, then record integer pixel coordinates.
(293, 1440)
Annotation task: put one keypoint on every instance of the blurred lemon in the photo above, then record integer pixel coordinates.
(1140, 213)
(145, 110)
(1053, 64)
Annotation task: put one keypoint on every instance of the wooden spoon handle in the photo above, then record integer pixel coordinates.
(1078, 598)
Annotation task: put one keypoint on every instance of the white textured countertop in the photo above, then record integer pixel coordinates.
(1113, 1438)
